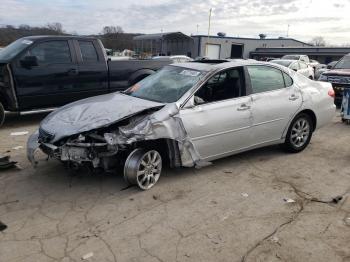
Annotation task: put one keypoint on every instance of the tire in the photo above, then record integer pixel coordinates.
(299, 134)
(2, 114)
(143, 168)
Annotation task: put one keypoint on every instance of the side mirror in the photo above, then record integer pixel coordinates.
(29, 61)
(190, 103)
(329, 67)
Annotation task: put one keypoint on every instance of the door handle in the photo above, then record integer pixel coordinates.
(243, 107)
(293, 97)
(72, 71)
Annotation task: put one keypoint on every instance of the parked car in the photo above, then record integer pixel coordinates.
(186, 115)
(339, 76)
(323, 68)
(303, 58)
(313, 63)
(297, 66)
(268, 59)
(49, 71)
(175, 58)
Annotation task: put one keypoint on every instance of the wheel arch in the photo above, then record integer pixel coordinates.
(168, 149)
(139, 75)
(312, 115)
(3, 101)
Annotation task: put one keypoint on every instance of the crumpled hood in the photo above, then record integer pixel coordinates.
(92, 113)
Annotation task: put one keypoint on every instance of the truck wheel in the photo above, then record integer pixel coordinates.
(299, 134)
(143, 168)
(2, 114)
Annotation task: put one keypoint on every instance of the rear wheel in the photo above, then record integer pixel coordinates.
(2, 114)
(299, 133)
(143, 168)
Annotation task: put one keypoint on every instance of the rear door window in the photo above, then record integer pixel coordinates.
(88, 51)
(264, 78)
(288, 81)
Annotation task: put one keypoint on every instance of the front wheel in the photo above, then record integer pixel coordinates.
(143, 168)
(2, 114)
(299, 134)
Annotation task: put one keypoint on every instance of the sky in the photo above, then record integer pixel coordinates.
(245, 18)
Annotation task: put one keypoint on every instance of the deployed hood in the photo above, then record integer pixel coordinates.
(336, 72)
(92, 113)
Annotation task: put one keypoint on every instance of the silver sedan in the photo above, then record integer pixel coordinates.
(186, 115)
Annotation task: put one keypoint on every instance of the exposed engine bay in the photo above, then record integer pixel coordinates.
(107, 147)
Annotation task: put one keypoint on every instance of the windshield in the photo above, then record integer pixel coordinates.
(14, 48)
(291, 57)
(281, 62)
(344, 63)
(167, 85)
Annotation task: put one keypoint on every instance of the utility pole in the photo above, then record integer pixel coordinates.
(206, 49)
(288, 30)
(197, 29)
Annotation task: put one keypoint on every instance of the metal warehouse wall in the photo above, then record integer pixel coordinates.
(250, 45)
(165, 47)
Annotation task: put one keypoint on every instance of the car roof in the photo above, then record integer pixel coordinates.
(217, 66)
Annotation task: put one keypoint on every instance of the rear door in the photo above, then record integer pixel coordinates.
(275, 100)
(92, 75)
(220, 121)
(52, 81)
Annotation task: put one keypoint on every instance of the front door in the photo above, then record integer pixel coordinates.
(275, 100)
(219, 122)
(50, 82)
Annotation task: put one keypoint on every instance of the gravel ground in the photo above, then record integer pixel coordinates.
(233, 210)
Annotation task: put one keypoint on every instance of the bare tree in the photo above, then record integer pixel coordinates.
(318, 41)
(24, 27)
(112, 30)
(57, 27)
(9, 33)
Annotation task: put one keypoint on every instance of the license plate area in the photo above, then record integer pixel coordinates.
(77, 154)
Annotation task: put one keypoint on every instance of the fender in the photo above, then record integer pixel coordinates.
(139, 75)
(8, 95)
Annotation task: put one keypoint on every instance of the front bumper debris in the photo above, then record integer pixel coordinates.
(32, 147)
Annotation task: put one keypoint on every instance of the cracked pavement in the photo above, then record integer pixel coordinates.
(232, 210)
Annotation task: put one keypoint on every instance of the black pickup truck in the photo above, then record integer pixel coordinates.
(42, 72)
(339, 77)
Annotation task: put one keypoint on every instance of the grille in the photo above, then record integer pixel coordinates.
(45, 136)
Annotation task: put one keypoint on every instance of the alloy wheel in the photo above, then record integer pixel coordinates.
(300, 132)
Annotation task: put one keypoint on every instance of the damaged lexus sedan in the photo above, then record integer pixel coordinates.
(186, 115)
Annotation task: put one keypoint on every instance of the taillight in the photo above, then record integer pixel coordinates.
(331, 93)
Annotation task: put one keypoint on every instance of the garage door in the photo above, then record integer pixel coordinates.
(213, 51)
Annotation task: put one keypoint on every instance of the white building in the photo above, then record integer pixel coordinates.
(221, 47)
